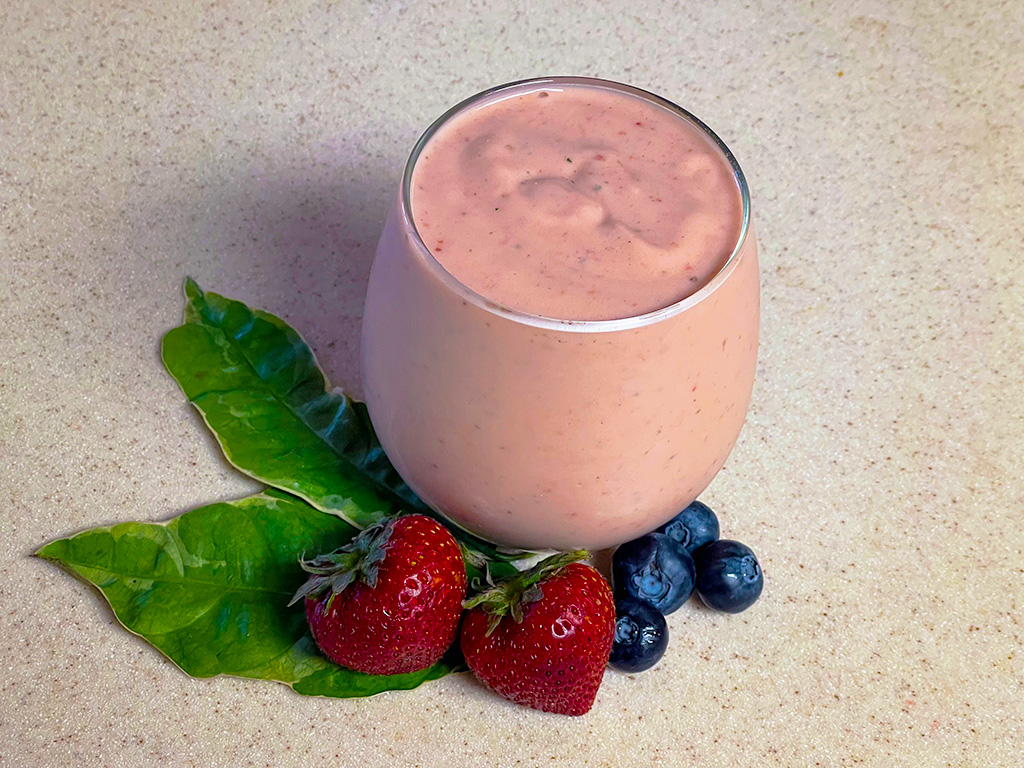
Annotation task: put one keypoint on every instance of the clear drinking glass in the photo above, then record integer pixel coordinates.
(543, 433)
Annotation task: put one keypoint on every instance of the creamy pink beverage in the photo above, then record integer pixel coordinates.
(560, 330)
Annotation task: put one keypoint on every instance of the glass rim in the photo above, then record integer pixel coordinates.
(554, 323)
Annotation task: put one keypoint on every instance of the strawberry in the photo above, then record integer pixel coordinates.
(388, 602)
(542, 639)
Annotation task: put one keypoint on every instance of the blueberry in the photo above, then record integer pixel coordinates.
(655, 569)
(729, 578)
(693, 527)
(641, 636)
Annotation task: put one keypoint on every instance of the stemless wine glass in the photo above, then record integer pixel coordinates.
(537, 432)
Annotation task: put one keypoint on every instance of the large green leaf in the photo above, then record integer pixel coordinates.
(210, 589)
(258, 386)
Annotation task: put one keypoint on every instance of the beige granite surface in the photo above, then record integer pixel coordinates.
(255, 146)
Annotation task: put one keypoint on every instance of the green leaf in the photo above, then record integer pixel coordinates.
(258, 387)
(210, 589)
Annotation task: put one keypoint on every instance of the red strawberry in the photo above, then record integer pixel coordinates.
(389, 602)
(542, 639)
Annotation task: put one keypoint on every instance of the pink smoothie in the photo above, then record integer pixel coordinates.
(576, 203)
(560, 330)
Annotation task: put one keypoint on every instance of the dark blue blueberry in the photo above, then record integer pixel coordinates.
(655, 569)
(641, 636)
(694, 527)
(729, 578)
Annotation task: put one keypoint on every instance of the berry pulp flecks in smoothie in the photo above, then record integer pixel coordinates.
(576, 203)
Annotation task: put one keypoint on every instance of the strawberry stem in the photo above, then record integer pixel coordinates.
(359, 559)
(508, 597)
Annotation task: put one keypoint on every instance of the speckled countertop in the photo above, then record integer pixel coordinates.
(255, 146)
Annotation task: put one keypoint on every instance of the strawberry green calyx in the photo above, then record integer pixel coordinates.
(359, 559)
(472, 558)
(508, 597)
